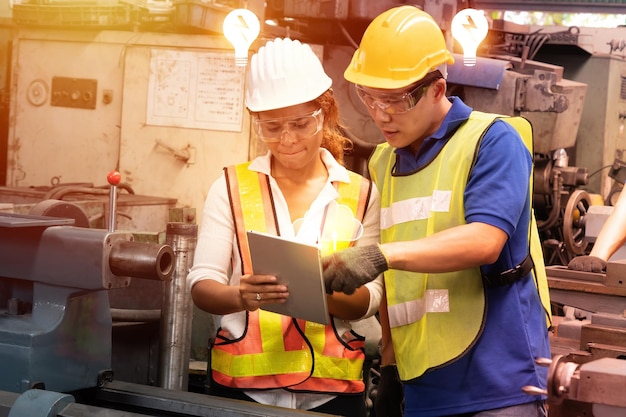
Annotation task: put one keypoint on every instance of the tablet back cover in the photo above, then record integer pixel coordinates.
(296, 265)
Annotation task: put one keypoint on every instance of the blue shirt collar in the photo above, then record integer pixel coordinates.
(407, 162)
(458, 113)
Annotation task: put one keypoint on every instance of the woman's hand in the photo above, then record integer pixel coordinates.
(257, 290)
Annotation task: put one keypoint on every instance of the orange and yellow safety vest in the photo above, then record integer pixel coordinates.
(277, 351)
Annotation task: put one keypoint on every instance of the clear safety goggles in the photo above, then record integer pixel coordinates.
(300, 127)
(397, 103)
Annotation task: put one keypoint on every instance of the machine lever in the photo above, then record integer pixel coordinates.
(532, 390)
(113, 179)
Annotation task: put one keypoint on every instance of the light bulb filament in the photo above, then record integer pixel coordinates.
(469, 28)
(241, 27)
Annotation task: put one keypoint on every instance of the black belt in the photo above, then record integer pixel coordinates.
(510, 275)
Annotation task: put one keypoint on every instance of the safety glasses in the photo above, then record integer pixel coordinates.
(397, 103)
(299, 127)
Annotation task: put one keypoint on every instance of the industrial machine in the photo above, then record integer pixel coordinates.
(57, 323)
(587, 373)
(595, 388)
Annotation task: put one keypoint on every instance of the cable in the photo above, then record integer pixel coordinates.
(347, 35)
(598, 170)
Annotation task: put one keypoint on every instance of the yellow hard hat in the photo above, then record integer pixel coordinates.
(399, 47)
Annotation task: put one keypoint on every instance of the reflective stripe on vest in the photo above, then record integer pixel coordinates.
(278, 351)
(449, 310)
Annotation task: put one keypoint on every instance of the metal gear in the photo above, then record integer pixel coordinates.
(574, 222)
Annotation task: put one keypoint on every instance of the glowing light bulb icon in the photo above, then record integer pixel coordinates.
(469, 28)
(241, 27)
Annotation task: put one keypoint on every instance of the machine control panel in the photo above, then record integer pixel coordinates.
(74, 92)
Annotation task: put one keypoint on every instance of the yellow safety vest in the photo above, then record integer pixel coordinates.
(436, 318)
(278, 351)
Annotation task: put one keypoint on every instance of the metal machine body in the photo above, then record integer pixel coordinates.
(55, 332)
(601, 293)
(119, 399)
(591, 389)
(594, 388)
(588, 371)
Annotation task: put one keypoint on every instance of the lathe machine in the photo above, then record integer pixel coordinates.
(587, 375)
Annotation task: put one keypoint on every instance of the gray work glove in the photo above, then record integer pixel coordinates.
(389, 400)
(587, 264)
(347, 270)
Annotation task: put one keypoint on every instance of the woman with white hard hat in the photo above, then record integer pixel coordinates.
(292, 191)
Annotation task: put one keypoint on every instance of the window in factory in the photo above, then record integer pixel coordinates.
(597, 20)
(622, 93)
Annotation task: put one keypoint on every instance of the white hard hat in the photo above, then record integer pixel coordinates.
(284, 73)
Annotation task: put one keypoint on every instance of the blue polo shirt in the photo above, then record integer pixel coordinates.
(492, 373)
(497, 189)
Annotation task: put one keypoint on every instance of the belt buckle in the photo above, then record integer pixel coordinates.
(515, 270)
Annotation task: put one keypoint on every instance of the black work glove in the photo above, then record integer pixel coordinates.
(389, 400)
(587, 264)
(347, 270)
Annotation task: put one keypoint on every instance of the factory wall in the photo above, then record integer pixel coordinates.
(165, 110)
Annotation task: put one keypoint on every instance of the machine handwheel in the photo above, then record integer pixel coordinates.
(616, 191)
(574, 222)
(560, 376)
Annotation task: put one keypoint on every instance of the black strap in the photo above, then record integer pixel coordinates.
(511, 275)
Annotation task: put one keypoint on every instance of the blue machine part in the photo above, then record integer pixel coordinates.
(55, 332)
(40, 403)
(63, 345)
(487, 73)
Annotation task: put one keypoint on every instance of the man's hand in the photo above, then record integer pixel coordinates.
(346, 270)
(389, 400)
(587, 264)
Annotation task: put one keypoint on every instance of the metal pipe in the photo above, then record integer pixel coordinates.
(79, 257)
(142, 260)
(135, 316)
(177, 310)
(112, 208)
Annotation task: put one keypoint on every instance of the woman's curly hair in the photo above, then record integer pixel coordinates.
(334, 139)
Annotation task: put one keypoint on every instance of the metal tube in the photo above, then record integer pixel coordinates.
(137, 316)
(112, 207)
(142, 260)
(177, 310)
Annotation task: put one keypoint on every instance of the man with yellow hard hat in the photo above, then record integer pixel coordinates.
(466, 312)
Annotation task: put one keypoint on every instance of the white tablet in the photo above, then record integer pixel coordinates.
(296, 265)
